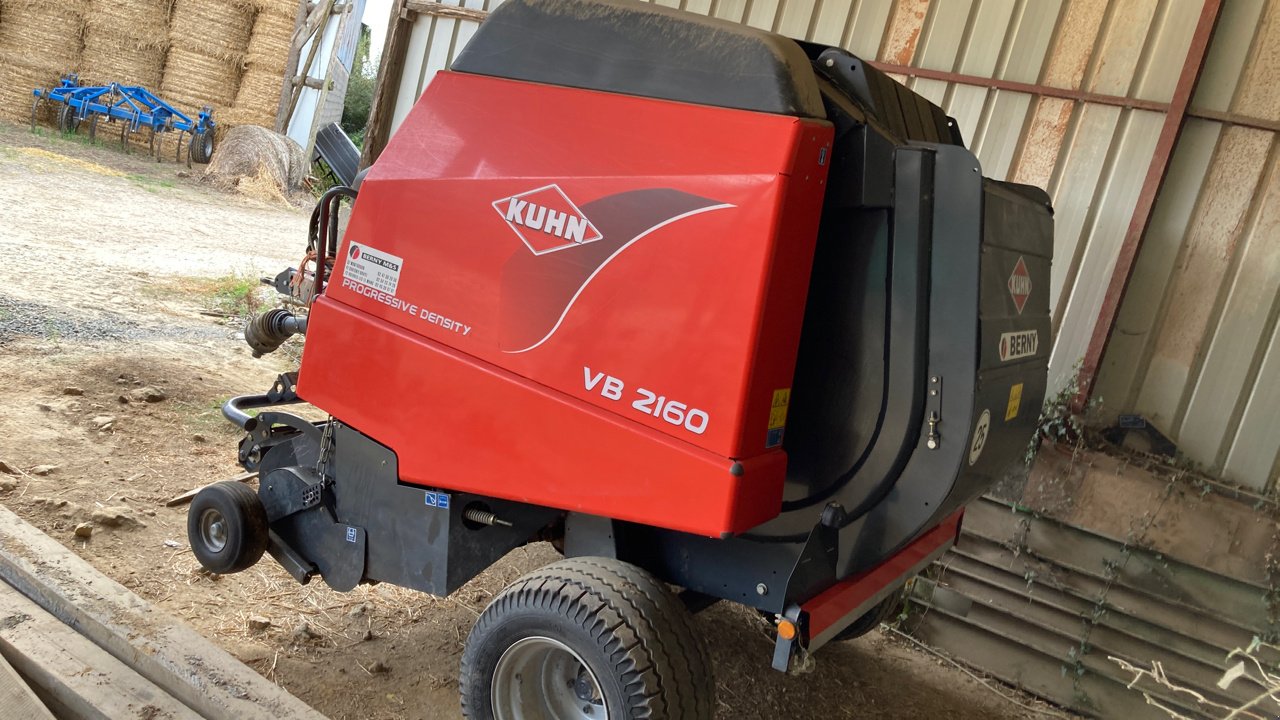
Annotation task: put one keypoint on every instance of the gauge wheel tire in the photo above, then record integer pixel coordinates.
(202, 147)
(588, 639)
(68, 120)
(872, 618)
(227, 527)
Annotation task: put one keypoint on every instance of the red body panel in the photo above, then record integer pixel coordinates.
(526, 265)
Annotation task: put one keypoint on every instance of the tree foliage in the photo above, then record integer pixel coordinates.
(359, 99)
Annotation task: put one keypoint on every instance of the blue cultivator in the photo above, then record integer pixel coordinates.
(135, 108)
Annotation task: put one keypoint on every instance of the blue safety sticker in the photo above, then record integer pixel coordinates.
(351, 534)
(437, 500)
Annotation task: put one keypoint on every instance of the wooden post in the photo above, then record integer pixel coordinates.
(291, 68)
(390, 71)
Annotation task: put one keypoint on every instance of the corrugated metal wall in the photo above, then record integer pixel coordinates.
(1090, 156)
(1196, 347)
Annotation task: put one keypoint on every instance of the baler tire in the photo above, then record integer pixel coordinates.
(241, 539)
(636, 639)
(871, 619)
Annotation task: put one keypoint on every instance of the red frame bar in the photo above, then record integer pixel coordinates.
(850, 596)
(1128, 255)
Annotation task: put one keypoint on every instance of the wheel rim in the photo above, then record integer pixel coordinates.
(539, 678)
(213, 530)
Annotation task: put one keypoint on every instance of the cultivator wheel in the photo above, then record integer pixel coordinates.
(202, 146)
(590, 639)
(68, 120)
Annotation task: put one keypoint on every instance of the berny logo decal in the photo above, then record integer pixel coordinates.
(546, 220)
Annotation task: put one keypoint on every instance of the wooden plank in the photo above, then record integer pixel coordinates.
(80, 678)
(153, 643)
(1111, 498)
(17, 698)
(439, 9)
(1083, 552)
(1043, 577)
(1007, 595)
(387, 86)
(291, 67)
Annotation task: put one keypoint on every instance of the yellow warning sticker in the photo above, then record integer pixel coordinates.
(1015, 402)
(778, 412)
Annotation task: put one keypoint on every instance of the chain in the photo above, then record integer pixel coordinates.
(326, 446)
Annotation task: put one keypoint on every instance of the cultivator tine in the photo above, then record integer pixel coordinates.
(35, 110)
(177, 151)
(93, 130)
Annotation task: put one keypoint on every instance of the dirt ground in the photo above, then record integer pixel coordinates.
(119, 284)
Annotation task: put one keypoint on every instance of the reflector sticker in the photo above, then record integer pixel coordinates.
(980, 437)
(1015, 402)
(372, 268)
(778, 417)
(1020, 284)
(1017, 345)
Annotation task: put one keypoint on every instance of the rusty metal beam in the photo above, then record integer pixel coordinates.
(1028, 88)
(1132, 243)
(1235, 119)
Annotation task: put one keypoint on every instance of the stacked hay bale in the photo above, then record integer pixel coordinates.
(40, 40)
(207, 44)
(125, 42)
(265, 64)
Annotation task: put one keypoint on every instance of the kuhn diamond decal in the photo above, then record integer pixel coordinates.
(546, 220)
(1020, 285)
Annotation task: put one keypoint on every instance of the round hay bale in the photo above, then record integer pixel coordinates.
(117, 58)
(259, 95)
(259, 157)
(215, 28)
(142, 23)
(199, 79)
(46, 37)
(269, 46)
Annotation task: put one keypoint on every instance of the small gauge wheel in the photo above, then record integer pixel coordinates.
(68, 120)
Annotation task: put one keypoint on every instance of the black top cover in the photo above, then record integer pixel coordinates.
(636, 48)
